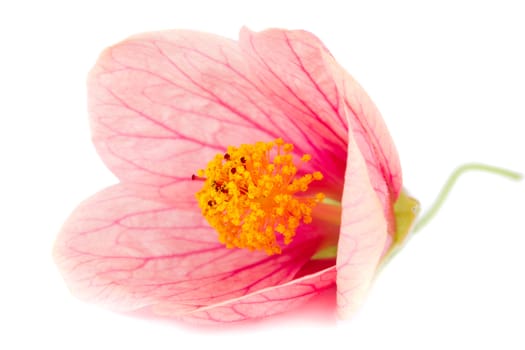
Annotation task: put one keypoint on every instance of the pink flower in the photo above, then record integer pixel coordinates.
(162, 105)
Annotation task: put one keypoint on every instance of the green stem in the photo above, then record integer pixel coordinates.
(425, 219)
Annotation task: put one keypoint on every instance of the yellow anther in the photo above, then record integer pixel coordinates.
(253, 198)
(306, 157)
(317, 175)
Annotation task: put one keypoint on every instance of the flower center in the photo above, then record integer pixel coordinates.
(251, 194)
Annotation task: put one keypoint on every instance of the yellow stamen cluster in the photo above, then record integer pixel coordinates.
(251, 193)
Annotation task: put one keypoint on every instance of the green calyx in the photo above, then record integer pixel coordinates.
(406, 210)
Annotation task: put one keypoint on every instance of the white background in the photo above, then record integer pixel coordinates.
(450, 82)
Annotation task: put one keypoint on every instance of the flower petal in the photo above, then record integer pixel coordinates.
(300, 76)
(262, 303)
(163, 104)
(363, 234)
(291, 73)
(131, 251)
(374, 141)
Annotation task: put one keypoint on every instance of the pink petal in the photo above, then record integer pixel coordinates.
(262, 303)
(300, 76)
(162, 104)
(374, 142)
(363, 235)
(291, 74)
(131, 252)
